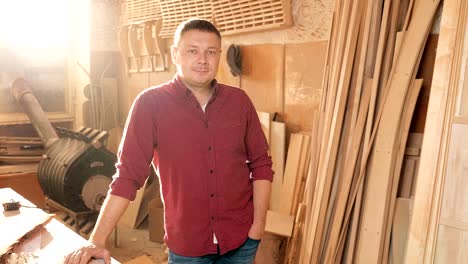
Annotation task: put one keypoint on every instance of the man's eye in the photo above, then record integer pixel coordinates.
(192, 51)
(213, 52)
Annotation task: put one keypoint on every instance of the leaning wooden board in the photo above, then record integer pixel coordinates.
(381, 168)
(277, 150)
(420, 239)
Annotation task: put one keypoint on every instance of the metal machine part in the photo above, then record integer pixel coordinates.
(94, 191)
(76, 168)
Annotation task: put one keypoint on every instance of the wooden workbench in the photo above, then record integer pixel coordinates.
(49, 243)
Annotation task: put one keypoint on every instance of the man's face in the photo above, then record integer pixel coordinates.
(197, 57)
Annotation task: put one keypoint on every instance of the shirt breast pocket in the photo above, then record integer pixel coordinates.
(231, 136)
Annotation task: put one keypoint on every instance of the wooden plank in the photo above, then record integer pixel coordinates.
(302, 173)
(376, 81)
(326, 168)
(400, 228)
(264, 83)
(407, 175)
(380, 173)
(391, 39)
(310, 184)
(292, 254)
(343, 192)
(335, 54)
(303, 83)
(354, 222)
(407, 115)
(433, 143)
(376, 18)
(398, 41)
(278, 149)
(361, 79)
(291, 173)
(20, 168)
(279, 223)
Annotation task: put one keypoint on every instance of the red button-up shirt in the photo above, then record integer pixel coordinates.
(206, 162)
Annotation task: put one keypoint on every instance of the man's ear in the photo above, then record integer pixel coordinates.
(173, 54)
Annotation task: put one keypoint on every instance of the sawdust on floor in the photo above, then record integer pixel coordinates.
(134, 243)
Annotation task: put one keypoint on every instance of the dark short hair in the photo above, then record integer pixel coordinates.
(195, 24)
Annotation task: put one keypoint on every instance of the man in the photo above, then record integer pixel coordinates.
(206, 142)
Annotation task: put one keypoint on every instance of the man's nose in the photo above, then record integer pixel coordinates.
(203, 56)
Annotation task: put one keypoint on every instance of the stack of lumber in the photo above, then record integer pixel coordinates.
(289, 175)
(15, 150)
(359, 137)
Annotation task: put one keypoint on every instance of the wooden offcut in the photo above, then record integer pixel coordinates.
(278, 153)
(279, 223)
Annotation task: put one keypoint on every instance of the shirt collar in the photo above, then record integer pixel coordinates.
(180, 90)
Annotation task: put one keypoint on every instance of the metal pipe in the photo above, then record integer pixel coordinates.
(22, 92)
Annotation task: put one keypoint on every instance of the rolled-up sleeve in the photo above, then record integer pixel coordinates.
(136, 149)
(259, 160)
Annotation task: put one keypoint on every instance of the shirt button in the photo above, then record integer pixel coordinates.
(212, 195)
(213, 218)
(209, 148)
(211, 171)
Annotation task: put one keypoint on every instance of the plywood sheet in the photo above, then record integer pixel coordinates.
(452, 245)
(304, 69)
(263, 75)
(455, 194)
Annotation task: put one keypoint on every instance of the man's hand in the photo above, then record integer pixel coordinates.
(84, 255)
(256, 231)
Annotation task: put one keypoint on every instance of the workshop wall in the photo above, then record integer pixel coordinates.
(286, 76)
